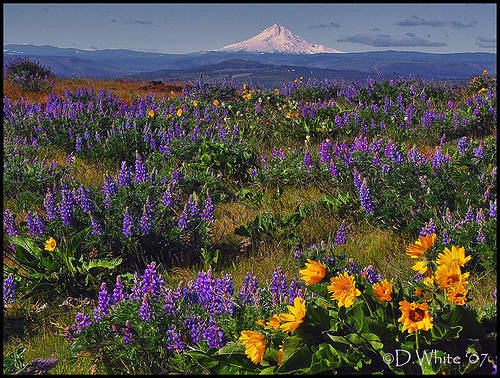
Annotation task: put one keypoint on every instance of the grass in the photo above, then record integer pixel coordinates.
(382, 249)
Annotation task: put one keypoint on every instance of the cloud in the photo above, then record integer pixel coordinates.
(488, 41)
(460, 25)
(140, 22)
(374, 29)
(384, 40)
(112, 21)
(417, 21)
(324, 26)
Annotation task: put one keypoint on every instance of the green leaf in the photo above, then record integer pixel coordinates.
(27, 244)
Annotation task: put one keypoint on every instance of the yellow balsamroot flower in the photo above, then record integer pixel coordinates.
(425, 294)
(260, 322)
(276, 91)
(458, 294)
(168, 116)
(300, 78)
(475, 79)
(343, 289)
(382, 290)
(179, 112)
(288, 115)
(428, 281)
(274, 322)
(452, 258)
(446, 277)
(280, 355)
(255, 345)
(422, 267)
(418, 248)
(313, 273)
(216, 102)
(485, 73)
(151, 113)
(195, 103)
(50, 244)
(293, 320)
(415, 316)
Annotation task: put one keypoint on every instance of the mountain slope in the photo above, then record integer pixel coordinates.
(277, 38)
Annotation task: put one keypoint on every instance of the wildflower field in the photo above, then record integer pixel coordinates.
(320, 227)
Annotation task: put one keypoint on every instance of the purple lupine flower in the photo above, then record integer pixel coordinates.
(104, 301)
(428, 229)
(333, 169)
(462, 145)
(31, 224)
(248, 289)
(213, 334)
(493, 209)
(446, 238)
(40, 225)
(480, 216)
(140, 169)
(196, 328)
(325, 149)
(480, 236)
(50, 206)
(82, 321)
(109, 187)
(183, 221)
(145, 310)
(208, 210)
(10, 223)
(169, 306)
(193, 208)
(9, 289)
(124, 178)
(307, 161)
(119, 295)
(442, 139)
(353, 268)
(152, 282)
(357, 179)
(85, 200)
(447, 217)
(371, 274)
(78, 144)
(341, 238)
(479, 151)
(419, 277)
(107, 202)
(146, 223)
(66, 209)
(174, 339)
(297, 254)
(438, 158)
(128, 224)
(127, 338)
(295, 290)
(469, 216)
(365, 197)
(278, 285)
(167, 198)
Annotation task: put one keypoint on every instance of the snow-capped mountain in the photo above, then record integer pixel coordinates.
(279, 39)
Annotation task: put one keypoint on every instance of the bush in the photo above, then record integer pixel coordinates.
(29, 73)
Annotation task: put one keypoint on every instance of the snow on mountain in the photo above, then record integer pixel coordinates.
(277, 38)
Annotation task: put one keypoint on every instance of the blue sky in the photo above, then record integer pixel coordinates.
(184, 28)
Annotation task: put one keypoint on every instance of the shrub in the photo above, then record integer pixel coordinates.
(29, 73)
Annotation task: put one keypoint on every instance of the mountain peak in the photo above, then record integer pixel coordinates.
(277, 38)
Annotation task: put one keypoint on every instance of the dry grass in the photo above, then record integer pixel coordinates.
(127, 91)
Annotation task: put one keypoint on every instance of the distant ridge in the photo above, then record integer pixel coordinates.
(278, 39)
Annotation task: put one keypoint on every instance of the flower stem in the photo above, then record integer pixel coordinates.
(416, 337)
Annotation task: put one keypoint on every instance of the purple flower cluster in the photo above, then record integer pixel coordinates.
(278, 285)
(215, 294)
(174, 339)
(9, 289)
(365, 197)
(124, 178)
(341, 234)
(248, 291)
(208, 210)
(35, 224)
(128, 224)
(428, 229)
(462, 145)
(10, 223)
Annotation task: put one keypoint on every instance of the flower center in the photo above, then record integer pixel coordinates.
(416, 315)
